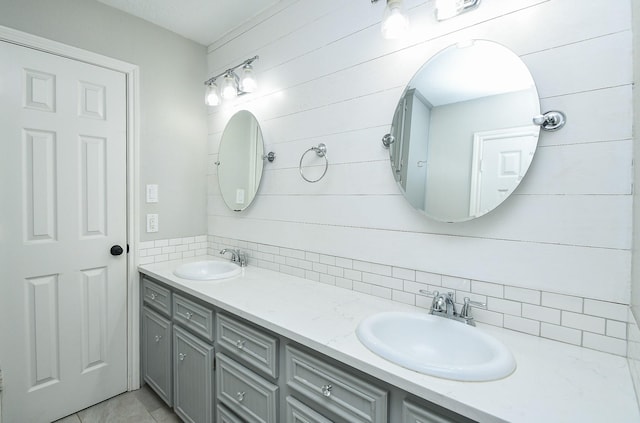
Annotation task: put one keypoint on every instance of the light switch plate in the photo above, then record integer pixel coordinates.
(152, 222)
(152, 193)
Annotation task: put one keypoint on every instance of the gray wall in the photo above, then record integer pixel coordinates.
(172, 112)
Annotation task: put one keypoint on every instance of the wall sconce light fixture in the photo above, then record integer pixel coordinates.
(395, 21)
(446, 9)
(232, 85)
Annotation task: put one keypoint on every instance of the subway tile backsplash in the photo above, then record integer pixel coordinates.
(590, 323)
(585, 322)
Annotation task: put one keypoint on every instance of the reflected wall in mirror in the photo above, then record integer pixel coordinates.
(240, 160)
(463, 131)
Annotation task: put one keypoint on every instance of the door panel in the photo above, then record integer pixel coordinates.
(63, 194)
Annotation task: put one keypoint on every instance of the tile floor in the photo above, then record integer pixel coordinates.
(141, 406)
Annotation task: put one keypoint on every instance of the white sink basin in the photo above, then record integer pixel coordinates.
(436, 346)
(207, 270)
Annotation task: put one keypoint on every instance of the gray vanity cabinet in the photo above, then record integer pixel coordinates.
(156, 354)
(193, 377)
(339, 392)
(297, 412)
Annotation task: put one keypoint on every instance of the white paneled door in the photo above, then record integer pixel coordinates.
(63, 332)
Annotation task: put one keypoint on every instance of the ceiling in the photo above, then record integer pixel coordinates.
(203, 21)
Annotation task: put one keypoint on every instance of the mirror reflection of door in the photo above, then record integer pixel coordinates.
(462, 91)
(500, 160)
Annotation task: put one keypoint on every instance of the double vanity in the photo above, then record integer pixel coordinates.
(263, 346)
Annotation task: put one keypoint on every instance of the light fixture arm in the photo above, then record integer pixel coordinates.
(231, 70)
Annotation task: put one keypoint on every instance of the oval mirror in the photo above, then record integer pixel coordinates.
(240, 160)
(462, 133)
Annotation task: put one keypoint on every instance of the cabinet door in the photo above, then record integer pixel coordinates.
(193, 377)
(156, 354)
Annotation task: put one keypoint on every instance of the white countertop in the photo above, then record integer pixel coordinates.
(553, 382)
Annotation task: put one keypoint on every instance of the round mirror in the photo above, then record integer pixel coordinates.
(240, 160)
(462, 136)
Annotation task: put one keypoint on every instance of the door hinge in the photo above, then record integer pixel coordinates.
(214, 363)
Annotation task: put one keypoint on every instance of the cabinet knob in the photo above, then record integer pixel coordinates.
(326, 390)
(240, 396)
(240, 344)
(153, 295)
(181, 356)
(189, 315)
(158, 338)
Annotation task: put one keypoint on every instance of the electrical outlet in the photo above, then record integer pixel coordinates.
(152, 222)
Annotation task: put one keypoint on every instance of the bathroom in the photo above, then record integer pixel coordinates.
(556, 259)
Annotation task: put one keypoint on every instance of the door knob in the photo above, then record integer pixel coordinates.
(116, 250)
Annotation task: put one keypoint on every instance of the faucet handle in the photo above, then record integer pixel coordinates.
(429, 293)
(466, 307)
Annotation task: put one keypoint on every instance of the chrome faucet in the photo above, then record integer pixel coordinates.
(236, 256)
(444, 305)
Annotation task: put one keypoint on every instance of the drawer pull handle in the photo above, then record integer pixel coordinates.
(189, 315)
(326, 390)
(158, 338)
(181, 356)
(240, 396)
(240, 344)
(153, 296)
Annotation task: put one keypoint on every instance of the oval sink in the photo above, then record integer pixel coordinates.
(436, 346)
(207, 270)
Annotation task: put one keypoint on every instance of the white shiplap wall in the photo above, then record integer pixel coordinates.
(326, 75)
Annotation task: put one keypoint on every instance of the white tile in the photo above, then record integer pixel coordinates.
(381, 292)
(488, 289)
(311, 275)
(403, 297)
(488, 317)
(268, 265)
(524, 295)
(335, 271)
(372, 267)
(328, 279)
(160, 257)
(380, 280)
(201, 252)
(344, 283)
(616, 329)
(320, 268)
(519, 324)
(188, 240)
(175, 256)
(543, 314)
(560, 333)
(344, 263)
(168, 250)
(499, 305)
(268, 249)
(453, 283)
(287, 252)
(430, 278)
(294, 271)
(356, 275)
(604, 343)
(188, 254)
(154, 251)
(562, 302)
(325, 259)
(606, 309)
(583, 322)
(146, 244)
(184, 247)
(400, 273)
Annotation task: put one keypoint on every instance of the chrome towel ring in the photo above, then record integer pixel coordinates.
(321, 151)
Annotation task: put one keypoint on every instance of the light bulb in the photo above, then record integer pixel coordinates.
(395, 22)
(248, 82)
(211, 97)
(229, 88)
(446, 9)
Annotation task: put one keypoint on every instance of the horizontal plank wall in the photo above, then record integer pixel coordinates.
(326, 75)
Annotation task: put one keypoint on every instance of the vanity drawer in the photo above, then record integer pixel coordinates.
(156, 296)
(223, 415)
(195, 317)
(297, 412)
(349, 397)
(245, 393)
(248, 344)
(412, 413)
